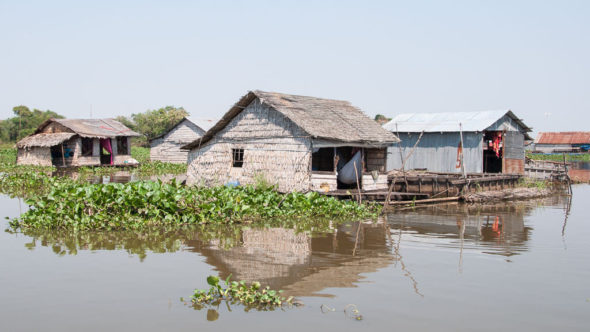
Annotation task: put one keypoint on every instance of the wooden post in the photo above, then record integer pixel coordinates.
(63, 157)
(462, 149)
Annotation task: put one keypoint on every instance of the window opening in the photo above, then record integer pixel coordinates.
(122, 147)
(87, 144)
(237, 157)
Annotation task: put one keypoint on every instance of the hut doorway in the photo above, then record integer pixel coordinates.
(106, 152)
(347, 159)
(493, 151)
(57, 155)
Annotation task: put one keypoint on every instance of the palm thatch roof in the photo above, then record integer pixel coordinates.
(44, 140)
(328, 119)
(95, 128)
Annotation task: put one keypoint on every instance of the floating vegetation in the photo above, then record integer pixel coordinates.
(559, 156)
(350, 311)
(60, 203)
(251, 296)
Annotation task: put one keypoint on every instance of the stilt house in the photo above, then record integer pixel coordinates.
(298, 143)
(77, 142)
(167, 147)
(492, 142)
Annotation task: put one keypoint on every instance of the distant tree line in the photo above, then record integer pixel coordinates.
(150, 123)
(23, 123)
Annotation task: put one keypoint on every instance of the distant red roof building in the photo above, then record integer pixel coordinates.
(566, 137)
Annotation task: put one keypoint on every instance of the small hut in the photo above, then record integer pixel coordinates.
(487, 141)
(77, 142)
(167, 147)
(298, 143)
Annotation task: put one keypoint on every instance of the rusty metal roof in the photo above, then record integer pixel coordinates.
(564, 137)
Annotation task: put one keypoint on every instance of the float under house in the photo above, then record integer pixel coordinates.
(77, 142)
(168, 146)
(296, 143)
(481, 142)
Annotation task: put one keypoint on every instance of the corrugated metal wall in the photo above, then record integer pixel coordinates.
(437, 152)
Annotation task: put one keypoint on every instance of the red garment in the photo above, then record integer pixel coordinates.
(496, 144)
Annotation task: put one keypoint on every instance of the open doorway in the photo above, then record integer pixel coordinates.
(493, 145)
(349, 167)
(106, 152)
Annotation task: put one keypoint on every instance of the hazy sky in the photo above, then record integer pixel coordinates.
(123, 57)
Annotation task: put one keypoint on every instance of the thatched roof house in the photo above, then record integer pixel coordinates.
(298, 143)
(77, 142)
(167, 147)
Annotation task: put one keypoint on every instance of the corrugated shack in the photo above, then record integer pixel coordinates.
(558, 142)
(298, 143)
(77, 142)
(167, 147)
(493, 142)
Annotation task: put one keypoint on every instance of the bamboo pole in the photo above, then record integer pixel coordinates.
(462, 149)
(358, 186)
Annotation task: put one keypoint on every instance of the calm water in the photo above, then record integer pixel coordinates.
(519, 266)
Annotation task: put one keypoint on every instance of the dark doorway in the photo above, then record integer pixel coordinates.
(106, 152)
(323, 160)
(492, 152)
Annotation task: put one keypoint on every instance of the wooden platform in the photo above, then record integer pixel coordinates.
(376, 195)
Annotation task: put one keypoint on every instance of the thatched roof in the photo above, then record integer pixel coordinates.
(95, 128)
(328, 119)
(44, 140)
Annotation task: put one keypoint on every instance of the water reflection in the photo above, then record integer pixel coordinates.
(307, 263)
(497, 229)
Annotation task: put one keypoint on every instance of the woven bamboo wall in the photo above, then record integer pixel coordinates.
(37, 156)
(274, 148)
(167, 148)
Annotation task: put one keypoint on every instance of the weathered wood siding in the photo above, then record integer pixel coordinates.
(167, 148)
(275, 149)
(371, 183)
(324, 181)
(376, 159)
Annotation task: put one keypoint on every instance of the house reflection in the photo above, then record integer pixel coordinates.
(497, 229)
(301, 264)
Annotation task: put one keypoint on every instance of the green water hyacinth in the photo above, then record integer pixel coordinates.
(252, 295)
(69, 204)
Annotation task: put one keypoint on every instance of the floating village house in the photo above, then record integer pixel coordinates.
(493, 142)
(77, 142)
(167, 147)
(558, 142)
(295, 142)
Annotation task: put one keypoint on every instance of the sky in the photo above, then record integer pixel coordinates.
(105, 58)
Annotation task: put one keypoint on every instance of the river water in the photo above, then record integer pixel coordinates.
(514, 266)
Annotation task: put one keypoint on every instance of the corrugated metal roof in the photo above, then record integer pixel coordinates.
(566, 137)
(204, 124)
(448, 122)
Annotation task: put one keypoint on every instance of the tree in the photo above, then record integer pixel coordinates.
(382, 119)
(153, 123)
(23, 123)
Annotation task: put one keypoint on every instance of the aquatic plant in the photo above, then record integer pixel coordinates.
(65, 203)
(252, 296)
(558, 157)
